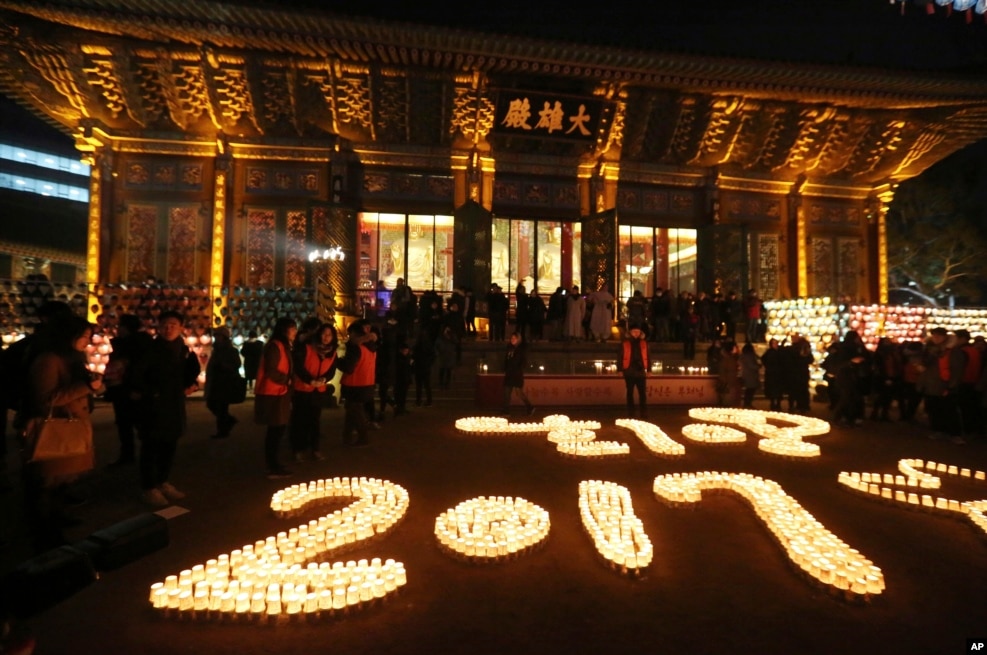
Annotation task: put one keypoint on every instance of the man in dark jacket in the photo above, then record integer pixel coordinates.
(515, 361)
(129, 345)
(497, 307)
(165, 376)
(556, 315)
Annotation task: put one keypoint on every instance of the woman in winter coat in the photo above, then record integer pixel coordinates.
(445, 351)
(773, 361)
(59, 384)
(726, 382)
(422, 360)
(750, 373)
(314, 367)
(272, 393)
(222, 374)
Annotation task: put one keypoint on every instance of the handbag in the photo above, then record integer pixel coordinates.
(56, 438)
(238, 390)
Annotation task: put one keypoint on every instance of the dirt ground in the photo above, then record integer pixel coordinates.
(719, 583)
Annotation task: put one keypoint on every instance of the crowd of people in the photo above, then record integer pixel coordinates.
(572, 315)
(946, 376)
(149, 376)
(47, 375)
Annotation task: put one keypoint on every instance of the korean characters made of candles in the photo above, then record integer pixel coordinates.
(276, 579)
(498, 425)
(812, 549)
(617, 533)
(910, 488)
(653, 438)
(491, 528)
(782, 433)
(578, 443)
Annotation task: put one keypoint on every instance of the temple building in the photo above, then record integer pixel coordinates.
(228, 142)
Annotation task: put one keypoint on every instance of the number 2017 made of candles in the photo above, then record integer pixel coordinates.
(285, 576)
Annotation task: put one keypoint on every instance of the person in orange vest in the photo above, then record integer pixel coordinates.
(314, 367)
(358, 364)
(633, 358)
(967, 396)
(272, 393)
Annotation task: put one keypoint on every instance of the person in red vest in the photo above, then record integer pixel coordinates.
(940, 382)
(633, 358)
(359, 367)
(272, 393)
(314, 366)
(967, 395)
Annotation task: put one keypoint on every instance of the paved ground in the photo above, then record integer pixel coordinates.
(718, 584)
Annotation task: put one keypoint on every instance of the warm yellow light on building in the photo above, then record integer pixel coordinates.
(218, 243)
(92, 237)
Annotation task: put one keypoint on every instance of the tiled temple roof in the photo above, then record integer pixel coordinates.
(309, 33)
(187, 71)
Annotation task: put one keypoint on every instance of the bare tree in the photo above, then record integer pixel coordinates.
(936, 248)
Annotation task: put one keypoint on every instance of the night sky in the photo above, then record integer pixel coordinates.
(844, 32)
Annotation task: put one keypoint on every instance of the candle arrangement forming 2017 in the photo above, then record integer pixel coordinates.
(275, 577)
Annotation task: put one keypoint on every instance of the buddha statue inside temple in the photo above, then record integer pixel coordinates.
(417, 268)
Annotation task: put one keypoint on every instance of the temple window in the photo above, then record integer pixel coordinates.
(651, 257)
(541, 255)
(416, 247)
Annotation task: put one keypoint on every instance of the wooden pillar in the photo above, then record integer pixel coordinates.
(797, 240)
